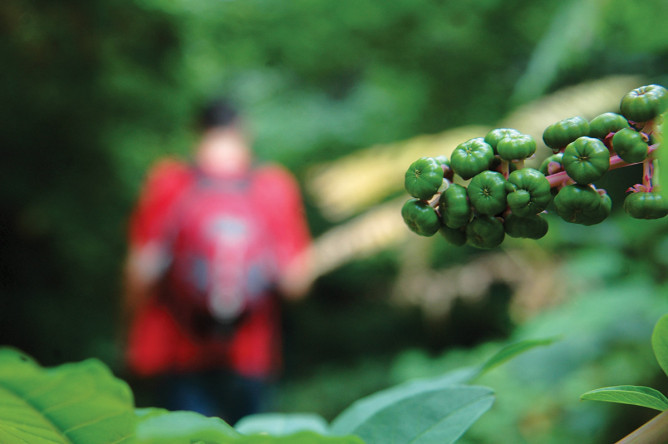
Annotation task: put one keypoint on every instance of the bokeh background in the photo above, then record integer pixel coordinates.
(345, 94)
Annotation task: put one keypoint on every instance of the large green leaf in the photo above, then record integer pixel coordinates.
(434, 416)
(363, 409)
(280, 424)
(629, 394)
(73, 403)
(158, 426)
(660, 340)
(304, 437)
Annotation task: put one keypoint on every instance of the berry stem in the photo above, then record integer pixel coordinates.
(615, 162)
(647, 173)
(505, 168)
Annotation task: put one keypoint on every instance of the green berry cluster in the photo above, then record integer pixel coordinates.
(503, 197)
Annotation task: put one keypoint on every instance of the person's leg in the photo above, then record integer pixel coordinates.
(188, 391)
(242, 396)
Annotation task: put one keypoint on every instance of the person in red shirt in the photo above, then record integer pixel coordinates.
(206, 324)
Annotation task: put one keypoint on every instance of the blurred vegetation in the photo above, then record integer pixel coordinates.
(93, 92)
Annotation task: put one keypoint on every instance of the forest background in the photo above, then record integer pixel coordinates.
(94, 92)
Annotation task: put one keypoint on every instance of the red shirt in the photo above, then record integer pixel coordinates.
(157, 343)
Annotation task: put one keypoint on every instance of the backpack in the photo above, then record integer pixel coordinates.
(222, 258)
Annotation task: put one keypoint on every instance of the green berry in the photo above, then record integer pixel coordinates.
(581, 204)
(551, 164)
(423, 178)
(445, 165)
(420, 217)
(630, 146)
(606, 123)
(485, 232)
(560, 134)
(455, 236)
(471, 157)
(586, 160)
(487, 192)
(531, 227)
(516, 148)
(454, 206)
(645, 205)
(644, 103)
(529, 192)
(496, 135)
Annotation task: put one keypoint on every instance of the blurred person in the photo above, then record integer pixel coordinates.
(212, 245)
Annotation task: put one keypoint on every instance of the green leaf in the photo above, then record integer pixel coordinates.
(510, 351)
(440, 415)
(158, 426)
(660, 342)
(364, 408)
(629, 394)
(73, 403)
(662, 160)
(304, 437)
(280, 424)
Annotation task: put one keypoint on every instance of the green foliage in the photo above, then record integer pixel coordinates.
(158, 426)
(641, 396)
(660, 342)
(279, 424)
(501, 189)
(74, 403)
(440, 415)
(510, 351)
(629, 394)
(84, 403)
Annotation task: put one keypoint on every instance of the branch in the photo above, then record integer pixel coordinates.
(653, 432)
(557, 179)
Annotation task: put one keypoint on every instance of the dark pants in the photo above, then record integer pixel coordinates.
(221, 393)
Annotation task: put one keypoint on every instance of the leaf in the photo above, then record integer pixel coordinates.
(660, 340)
(629, 394)
(280, 424)
(568, 37)
(73, 403)
(304, 437)
(510, 351)
(364, 408)
(158, 426)
(440, 415)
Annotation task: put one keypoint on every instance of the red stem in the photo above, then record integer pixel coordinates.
(557, 179)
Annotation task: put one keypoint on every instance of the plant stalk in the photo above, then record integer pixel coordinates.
(653, 432)
(557, 179)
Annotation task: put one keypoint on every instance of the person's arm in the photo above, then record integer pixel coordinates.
(147, 258)
(290, 230)
(144, 267)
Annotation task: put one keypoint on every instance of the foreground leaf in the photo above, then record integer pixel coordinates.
(158, 426)
(304, 437)
(363, 409)
(73, 403)
(660, 341)
(629, 394)
(433, 416)
(280, 424)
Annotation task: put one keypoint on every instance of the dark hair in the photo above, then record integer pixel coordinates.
(218, 113)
